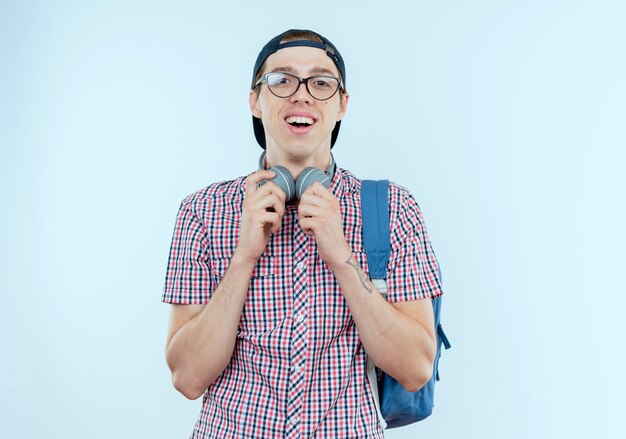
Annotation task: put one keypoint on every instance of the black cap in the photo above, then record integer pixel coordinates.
(273, 46)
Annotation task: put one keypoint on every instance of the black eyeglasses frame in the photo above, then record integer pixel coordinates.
(301, 81)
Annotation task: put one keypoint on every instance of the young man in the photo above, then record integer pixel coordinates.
(273, 314)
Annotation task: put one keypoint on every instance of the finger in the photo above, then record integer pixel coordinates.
(307, 225)
(318, 189)
(308, 210)
(271, 219)
(277, 224)
(277, 204)
(263, 191)
(271, 187)
(253, 179)
(279, 207)
(264, 202)
(264, 198)
(313, 199)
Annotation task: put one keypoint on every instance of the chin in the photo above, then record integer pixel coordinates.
(299, 147)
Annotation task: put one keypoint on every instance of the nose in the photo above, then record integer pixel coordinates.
(301, 94)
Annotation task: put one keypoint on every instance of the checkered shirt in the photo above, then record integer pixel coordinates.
(298, 369)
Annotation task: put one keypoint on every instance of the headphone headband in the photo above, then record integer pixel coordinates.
(330, 170)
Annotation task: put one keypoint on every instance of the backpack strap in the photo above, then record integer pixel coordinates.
(375, 216)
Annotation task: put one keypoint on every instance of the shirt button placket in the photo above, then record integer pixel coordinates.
(299, 335)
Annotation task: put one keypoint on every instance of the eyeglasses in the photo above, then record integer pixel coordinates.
(284, 85)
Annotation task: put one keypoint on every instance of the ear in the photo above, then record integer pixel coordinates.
(253, 100)
(343, 105)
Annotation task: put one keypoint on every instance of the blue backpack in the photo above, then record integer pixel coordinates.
(398, 406)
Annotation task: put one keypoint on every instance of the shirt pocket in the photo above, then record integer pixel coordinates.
(264, 308)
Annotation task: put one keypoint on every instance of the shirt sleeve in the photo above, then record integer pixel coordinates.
(413, 270)
(188, 277)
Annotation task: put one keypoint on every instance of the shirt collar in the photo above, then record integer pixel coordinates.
(337, 183)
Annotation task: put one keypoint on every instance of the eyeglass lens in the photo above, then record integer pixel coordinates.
(284, 85)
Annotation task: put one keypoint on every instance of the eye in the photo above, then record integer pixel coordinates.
(278, 80)
(324, 84)
(321, 83)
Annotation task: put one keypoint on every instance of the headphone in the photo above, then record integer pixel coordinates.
(292, 188)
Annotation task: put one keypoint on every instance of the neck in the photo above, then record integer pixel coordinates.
(296, 164)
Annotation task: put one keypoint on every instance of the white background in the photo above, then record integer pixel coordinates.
(504, 118)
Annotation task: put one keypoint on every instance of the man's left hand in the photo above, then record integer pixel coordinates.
(319, 215)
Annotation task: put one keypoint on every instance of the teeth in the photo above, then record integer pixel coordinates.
(300, 119)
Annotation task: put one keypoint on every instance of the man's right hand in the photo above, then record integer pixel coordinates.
(257, 222)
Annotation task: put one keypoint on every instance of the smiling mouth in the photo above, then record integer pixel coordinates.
(299, 121)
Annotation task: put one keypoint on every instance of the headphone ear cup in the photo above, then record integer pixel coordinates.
(310, 176)
(283, 180)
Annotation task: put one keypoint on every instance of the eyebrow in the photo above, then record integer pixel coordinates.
(314, 70)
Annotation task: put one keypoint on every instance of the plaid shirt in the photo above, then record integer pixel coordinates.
(298, 369)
